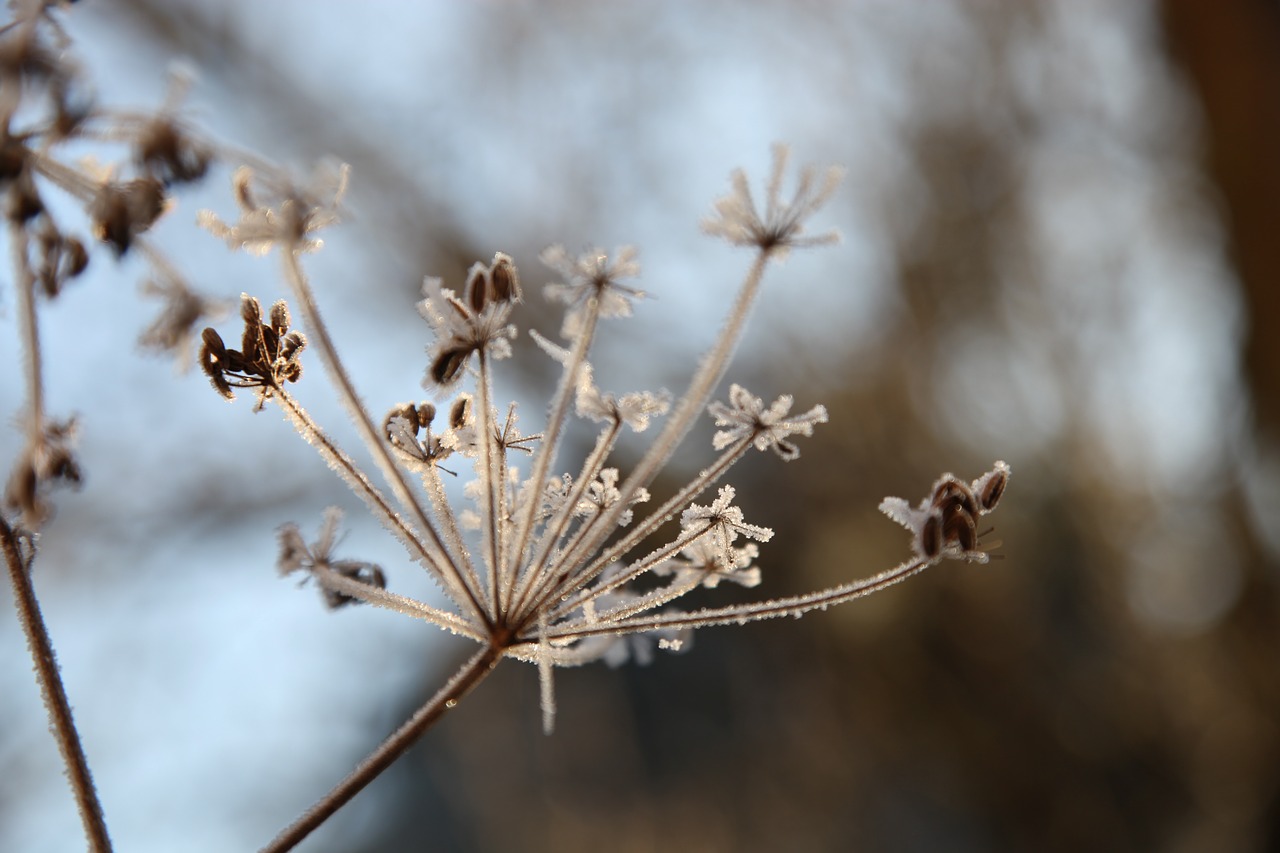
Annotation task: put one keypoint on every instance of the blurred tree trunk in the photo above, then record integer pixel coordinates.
(1230, 54)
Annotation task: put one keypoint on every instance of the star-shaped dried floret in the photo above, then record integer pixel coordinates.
(274, 210)
(724, 523)
(746, 417)
(592, 276)
(706, 562)
(781, 225)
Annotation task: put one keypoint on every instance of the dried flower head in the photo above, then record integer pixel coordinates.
(592, 282)
(267, 358)
(780, 226)
(297, 556)
(475, 323)
(274, 210)
(945, 524)
(555, 575)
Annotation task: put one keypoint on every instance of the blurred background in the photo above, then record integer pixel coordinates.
(1058, 236)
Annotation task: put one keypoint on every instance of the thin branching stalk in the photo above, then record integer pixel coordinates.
(534, 581)
(546, 452)
(61, 722)
(29, 322)
(346, 391)
(463, 681)
(448, 521)
(492, 480)
(355, 478)
(639, 530)
(692, 402)
(794, 606)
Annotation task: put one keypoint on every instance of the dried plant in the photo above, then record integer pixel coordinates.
(551, 568)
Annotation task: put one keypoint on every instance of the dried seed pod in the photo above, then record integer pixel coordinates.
(406, 411)
(426, 413)
(169, 153)
(24, 199)
(950, 489)
(75, 258)
(213, 361)
(460, 412)
(122, 211)
(931, 536)
(366, 573)
(292, 344)
(250, 309)
(990, 486)
(505, 279)
(280, 318)
(449, 365)
(476, 290)
(958, 526)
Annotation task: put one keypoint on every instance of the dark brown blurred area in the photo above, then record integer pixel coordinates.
(1026, 705)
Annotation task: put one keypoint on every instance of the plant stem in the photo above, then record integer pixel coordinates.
(55, 695)
(30, 332)
(467, 677)
(319, 333)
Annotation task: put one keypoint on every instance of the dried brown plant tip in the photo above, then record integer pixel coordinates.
(408, 429)
(170, 154)
(122, 211)
(47, 462)
(474, 324)
(24, 202)
(946, 523)
(317, 561)
(61, 258)
(268, 356)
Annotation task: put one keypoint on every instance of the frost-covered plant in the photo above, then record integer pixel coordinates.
(543, 565)
(540, 566)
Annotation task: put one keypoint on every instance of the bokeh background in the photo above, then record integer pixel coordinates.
(1058, 250)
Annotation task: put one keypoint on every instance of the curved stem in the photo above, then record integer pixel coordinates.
(467, 677)
(55, 695)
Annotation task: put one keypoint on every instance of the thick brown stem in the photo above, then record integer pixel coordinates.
(55, 695)
(468, 676)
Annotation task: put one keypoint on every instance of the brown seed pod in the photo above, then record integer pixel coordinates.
(950, 490)
(931, 536)
(449, 365)
(958, 526)
(406, 411)
(460, 412)
(476, 291)
(213, 361)
(280, 318)
(990, 487)
(505, 279)
(366, 573)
